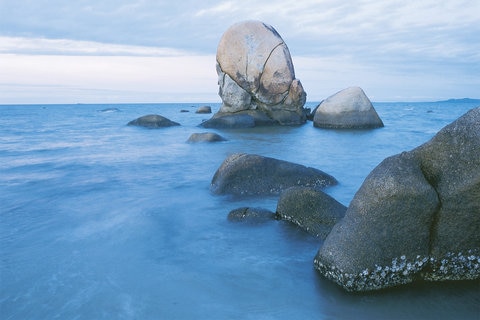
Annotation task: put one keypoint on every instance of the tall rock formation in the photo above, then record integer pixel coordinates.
(256, 78)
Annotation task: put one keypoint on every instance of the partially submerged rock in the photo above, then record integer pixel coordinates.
(204, 109)
(205, 137)
(347, 109)
(250, 174)
(416, 216)
(251, 215)
(255, 72)
(153, 121)
(310, 209)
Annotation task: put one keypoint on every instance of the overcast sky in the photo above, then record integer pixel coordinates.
(114, 51)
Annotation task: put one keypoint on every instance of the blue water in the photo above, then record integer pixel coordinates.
(99, 220)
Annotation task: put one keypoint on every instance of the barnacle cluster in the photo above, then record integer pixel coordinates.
(404, 270)
(454, 266)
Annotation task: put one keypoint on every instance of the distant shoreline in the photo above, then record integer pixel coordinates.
(463, 100)
(194, 104)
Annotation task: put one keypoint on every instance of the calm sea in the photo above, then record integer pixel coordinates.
(99, 220)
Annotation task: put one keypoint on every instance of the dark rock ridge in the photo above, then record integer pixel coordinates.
(255, 72)
(250, 174)
(347, 109)
(153, 121)
(251, 215)
(416, 216)
(240, 119)
(310, 209)
(205, 137)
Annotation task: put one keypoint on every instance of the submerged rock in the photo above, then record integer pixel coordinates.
(255, 72)
(153, 121)
(349, 109)
(310, 209)
(416, 216)
(250, 174)
(106, 110)
(205, 137)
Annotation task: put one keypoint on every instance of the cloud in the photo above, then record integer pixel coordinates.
(42, 46)
(94, 79)
(227, 7)
(393, 48)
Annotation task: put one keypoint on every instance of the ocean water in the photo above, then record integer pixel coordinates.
(100, 220)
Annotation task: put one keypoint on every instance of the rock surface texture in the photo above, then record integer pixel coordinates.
(416, 216)
(153, 121)
(250, 175)
(255, 73)
(310, 209)
(347, 109)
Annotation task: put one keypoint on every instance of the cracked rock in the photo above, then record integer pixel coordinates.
(255, 72)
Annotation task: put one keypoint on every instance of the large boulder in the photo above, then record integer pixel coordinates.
(349, 109)
(311, 209)
(153, 121)
(416, 216)
(250, 174)
(255, 72)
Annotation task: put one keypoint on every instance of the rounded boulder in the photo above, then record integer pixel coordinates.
(250, 175)
(416, 216)
(153, 121)
(205, 137)
(347, 109)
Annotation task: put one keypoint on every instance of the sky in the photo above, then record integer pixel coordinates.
(148, 51)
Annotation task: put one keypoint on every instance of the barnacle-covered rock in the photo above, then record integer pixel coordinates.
(416, 216)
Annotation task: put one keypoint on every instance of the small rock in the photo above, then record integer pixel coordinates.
(205, 137)
(153, 121)
(204, 109)
(312, 210)
(251, 215)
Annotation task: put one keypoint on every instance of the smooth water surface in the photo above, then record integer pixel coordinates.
(100, 220)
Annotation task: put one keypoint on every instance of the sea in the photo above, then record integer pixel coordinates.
(100, 220)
